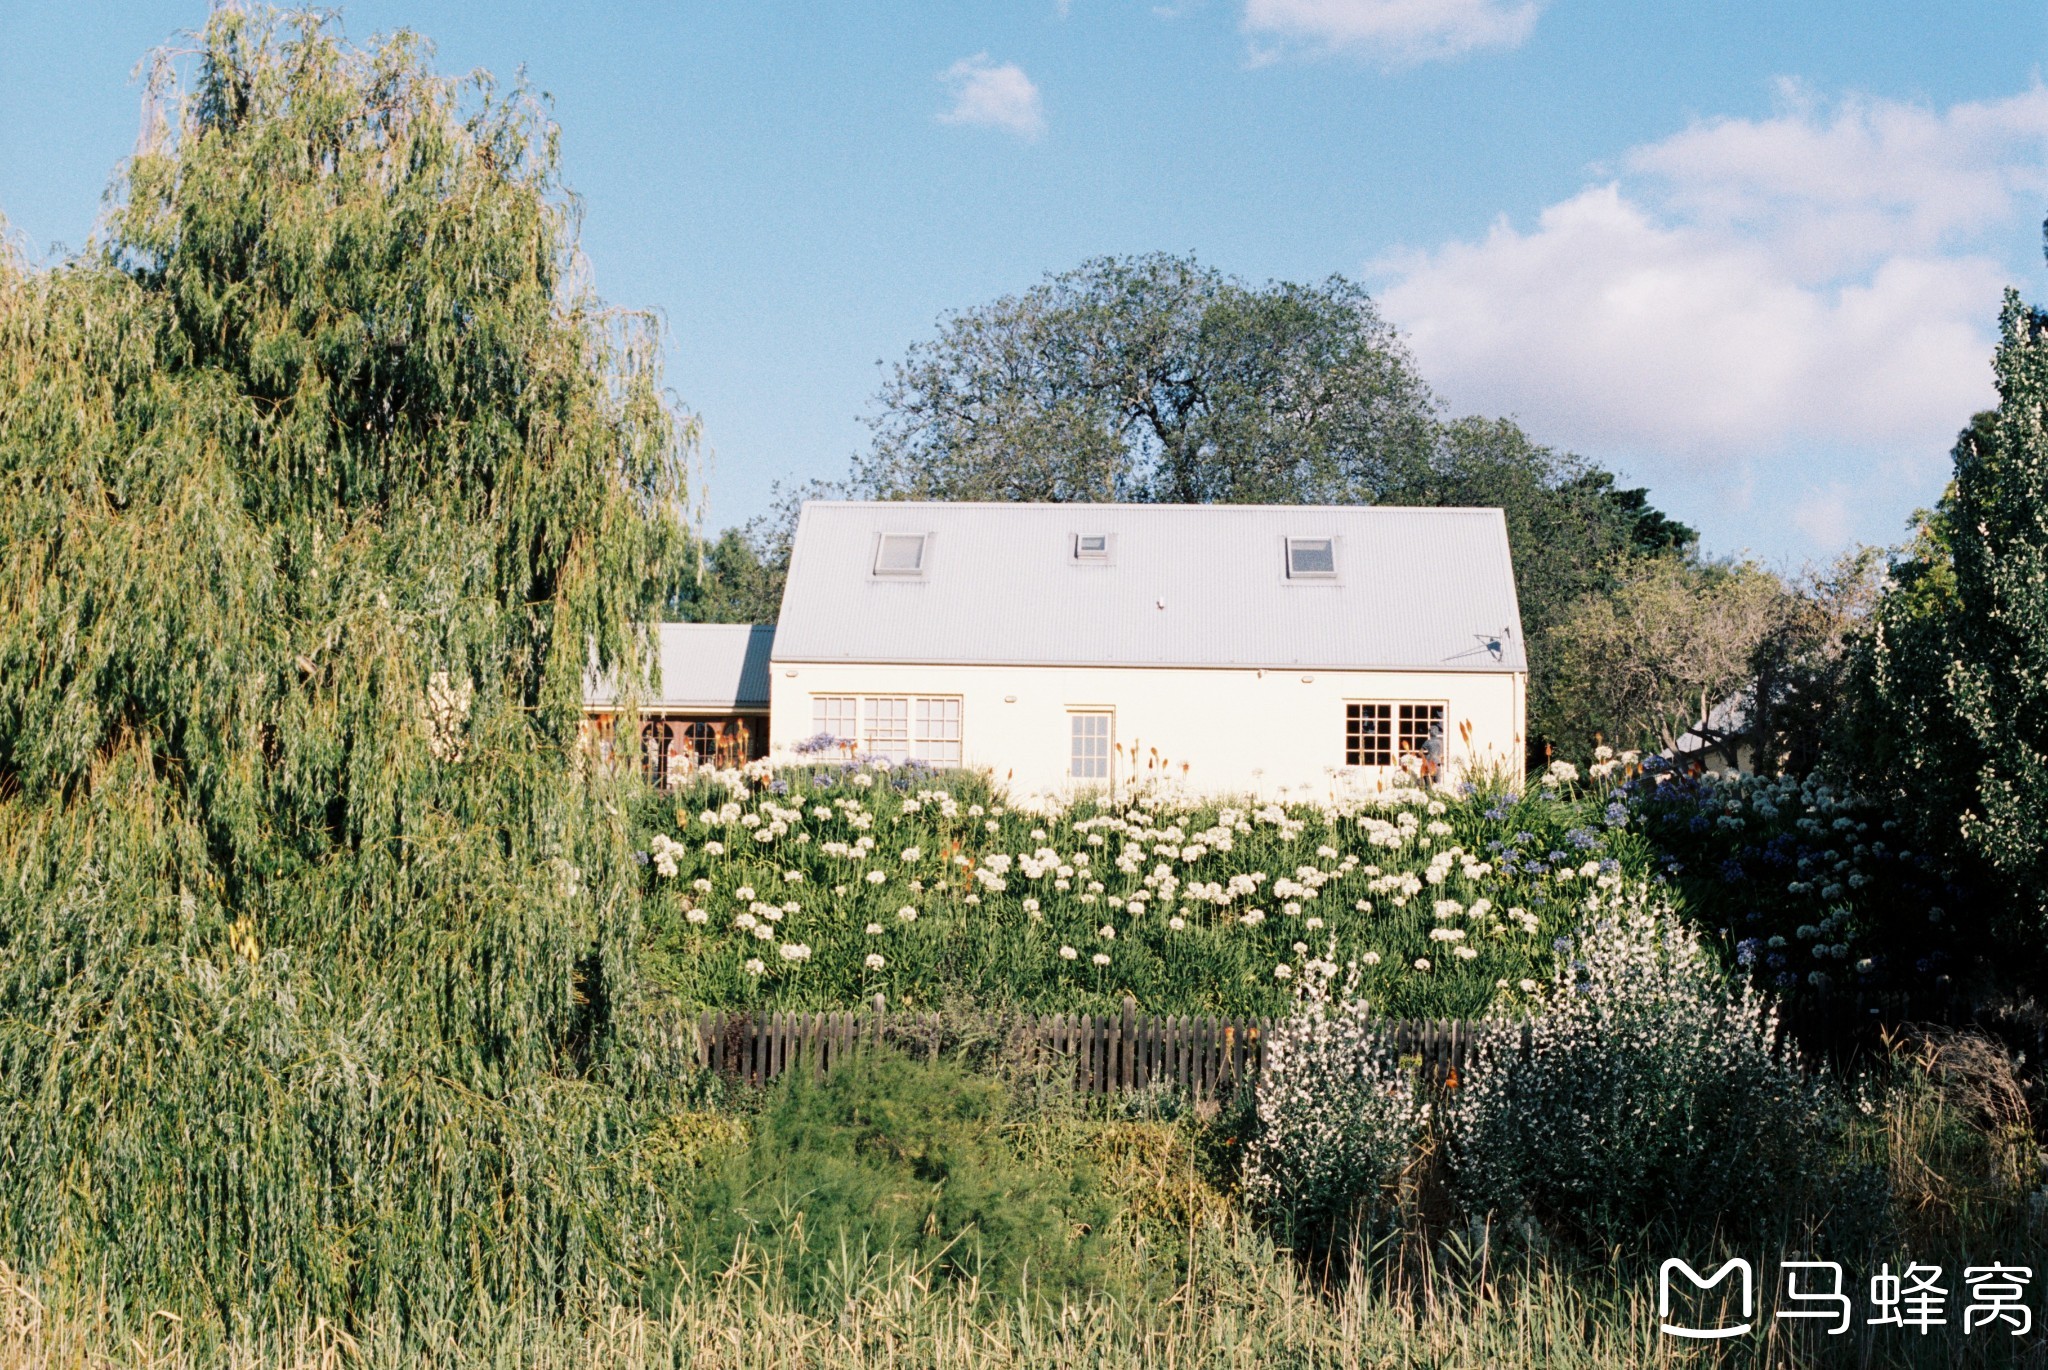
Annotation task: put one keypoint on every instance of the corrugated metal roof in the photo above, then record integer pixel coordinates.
(1183, 585)
(705, 666)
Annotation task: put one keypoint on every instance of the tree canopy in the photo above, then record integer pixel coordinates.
(322, 479)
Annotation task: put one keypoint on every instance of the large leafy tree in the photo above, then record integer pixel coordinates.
(322, 484)
(1956, 669)
(1153, 378)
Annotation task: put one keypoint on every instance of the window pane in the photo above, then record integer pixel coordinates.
(888, 728)
(937, 738)
(1089, 755)
(1368, 735)
(837, 716)
(1422, 732)
(900, 554)
(1311, 557)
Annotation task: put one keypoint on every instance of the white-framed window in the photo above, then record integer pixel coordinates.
(901, 727)
(1311, 558)
(1088, 744)
(902, 555)
(936, 735)
(887, 726)
(1391, 734)
(1093, 548)
(837, 716)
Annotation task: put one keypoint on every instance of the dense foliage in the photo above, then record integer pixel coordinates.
(1651, 1093)
(1808, 889)
(321, 480)
(887, 1161)
(823, 887)
(1955, 674)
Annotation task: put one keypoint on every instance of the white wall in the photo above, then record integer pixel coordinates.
(1235, 731)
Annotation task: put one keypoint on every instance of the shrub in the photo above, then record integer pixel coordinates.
(1338, 1119)
(884, 1160)
(1650, 1092)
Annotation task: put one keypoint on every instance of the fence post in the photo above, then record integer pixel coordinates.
(1127, 1046)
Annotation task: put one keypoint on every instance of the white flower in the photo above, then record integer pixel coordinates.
(754, 965)
(1283, 972)
(1031, 906)
(1252, 918)
(876, 877)
(744, 892)
(911, 854)
(873, 929)
(1177, 924)
(793, 877)
(1068, 953)
(907, 914)
(1106, 933)
(795, 951)
(1291, 909)
(1422, 963)
(874, 961)
(1101, 958)
(697, 916)
(701, 885)
(1371, 958)
(1465, 953)
(1526, 986)
(714, 848)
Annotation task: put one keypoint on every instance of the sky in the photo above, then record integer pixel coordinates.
(1748, 254)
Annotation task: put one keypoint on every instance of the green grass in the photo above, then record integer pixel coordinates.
(1075, 909)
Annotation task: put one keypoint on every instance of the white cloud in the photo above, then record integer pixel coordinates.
(993, 96)
(1812, 290)
(1397, 32)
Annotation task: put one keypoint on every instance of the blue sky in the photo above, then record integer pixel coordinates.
(1749, 254)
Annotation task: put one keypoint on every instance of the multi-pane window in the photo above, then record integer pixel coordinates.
(899, 727)
(1368, 734)
(656, 741)
(836, 716)
(888, 727)
(937, 735)
(1088, 754)
(1384, 734)
(1420, 732)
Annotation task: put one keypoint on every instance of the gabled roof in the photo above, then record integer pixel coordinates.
(1179, 585)
(704, 666)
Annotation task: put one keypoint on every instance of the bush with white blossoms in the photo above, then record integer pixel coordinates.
(1338, 1119)
(1651, 1092)
(1442, 902)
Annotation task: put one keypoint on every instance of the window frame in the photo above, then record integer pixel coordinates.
(1298, 577)
(1075, 718)
(878, 571)
(1077, 555)
(1403, 722)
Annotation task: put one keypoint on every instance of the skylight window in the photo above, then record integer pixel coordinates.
(1091, 547)
(901, 554)
(1311, 559)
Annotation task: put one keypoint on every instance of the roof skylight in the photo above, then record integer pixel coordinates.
(901, 554)
(1091, 547)
(1311, 559)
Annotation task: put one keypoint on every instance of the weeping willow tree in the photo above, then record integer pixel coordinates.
(321, 479)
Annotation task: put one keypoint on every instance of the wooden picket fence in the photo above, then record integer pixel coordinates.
(1196, 1055)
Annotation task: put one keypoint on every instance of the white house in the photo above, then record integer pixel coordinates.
(1230, 648)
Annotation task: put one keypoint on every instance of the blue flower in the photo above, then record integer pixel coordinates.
(1561, 944)
(1617, 816)
(1745, 951)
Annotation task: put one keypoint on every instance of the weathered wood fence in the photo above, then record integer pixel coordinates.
(1197, 1055)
